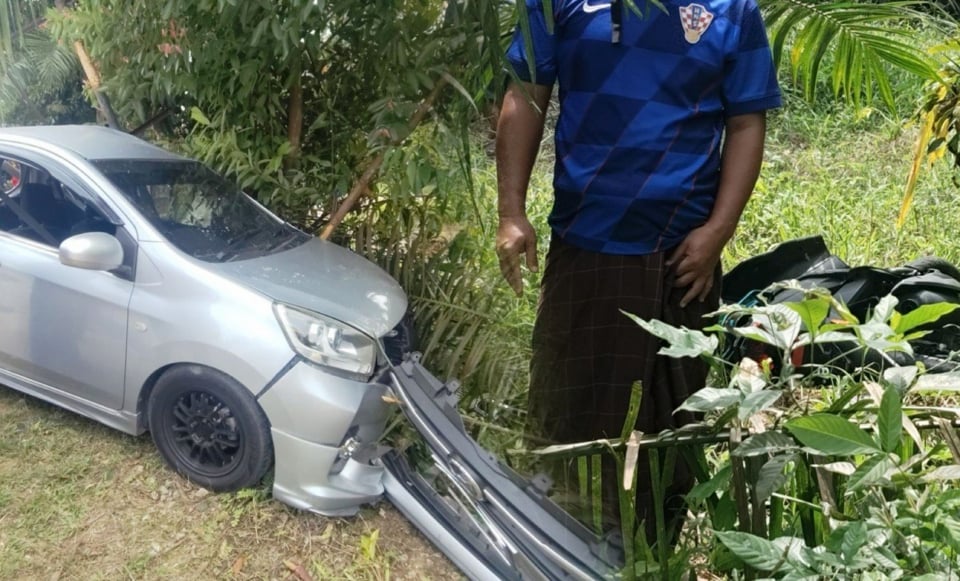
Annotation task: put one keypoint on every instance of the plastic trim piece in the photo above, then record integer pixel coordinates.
(507, 525)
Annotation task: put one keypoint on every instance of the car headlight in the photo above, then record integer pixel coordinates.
(327, 341)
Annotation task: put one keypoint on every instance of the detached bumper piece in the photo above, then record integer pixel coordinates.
(487, 519)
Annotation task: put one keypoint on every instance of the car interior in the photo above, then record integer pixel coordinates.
(34, 205)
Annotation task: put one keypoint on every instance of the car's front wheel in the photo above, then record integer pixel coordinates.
(209, 428)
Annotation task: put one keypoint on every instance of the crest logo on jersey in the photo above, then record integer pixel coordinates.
(695, 20)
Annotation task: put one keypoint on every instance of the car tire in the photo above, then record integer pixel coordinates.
(209, 428)
(928, 263)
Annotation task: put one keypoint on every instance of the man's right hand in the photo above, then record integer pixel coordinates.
(516, 237)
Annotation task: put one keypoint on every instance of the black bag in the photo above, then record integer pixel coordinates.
(923, 281)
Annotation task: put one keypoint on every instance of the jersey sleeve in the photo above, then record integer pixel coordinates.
(750, 79)
(544, 71)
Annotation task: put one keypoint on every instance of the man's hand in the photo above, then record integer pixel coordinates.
(516, 237)
(695, 261)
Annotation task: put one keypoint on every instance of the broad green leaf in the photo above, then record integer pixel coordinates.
(901, 377)
(854, 538)
(942, 473)
(757, 402)
(754, 334)
(832, 435)
(812, 312)
(755, 551)
(765, 443)
(922, 315)
(845, 468)
(748, 377)
(704, 490)
(884, 310)
(890, 420)
(711, 398)
(870, 473)
(880, 337)
(771, 476)
(782, 323)
(949, 529)
(682, 342)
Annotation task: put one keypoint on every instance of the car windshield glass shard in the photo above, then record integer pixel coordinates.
(200, 212)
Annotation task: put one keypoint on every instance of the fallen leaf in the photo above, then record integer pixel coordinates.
(238, 565)
(298, 571)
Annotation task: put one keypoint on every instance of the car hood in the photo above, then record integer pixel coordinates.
(327, 279)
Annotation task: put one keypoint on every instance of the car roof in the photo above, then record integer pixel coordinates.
(92, 142)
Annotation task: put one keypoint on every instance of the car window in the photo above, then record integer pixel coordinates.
(37, 206)
(198, 211)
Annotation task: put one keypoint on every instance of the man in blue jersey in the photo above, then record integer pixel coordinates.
(658, 142)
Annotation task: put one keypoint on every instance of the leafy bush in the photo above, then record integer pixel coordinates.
(823, 481)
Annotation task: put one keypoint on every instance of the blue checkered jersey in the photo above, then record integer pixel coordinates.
(641, 121)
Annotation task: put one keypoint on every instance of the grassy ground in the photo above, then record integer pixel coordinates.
(81, 501)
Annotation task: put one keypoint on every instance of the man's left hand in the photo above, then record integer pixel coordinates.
(694, 262)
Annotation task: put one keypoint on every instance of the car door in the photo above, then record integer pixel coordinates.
(62, 329)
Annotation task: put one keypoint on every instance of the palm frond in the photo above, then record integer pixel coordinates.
(53, 63)
(866, 41)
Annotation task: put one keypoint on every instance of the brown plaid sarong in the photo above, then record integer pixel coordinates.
(587, 354)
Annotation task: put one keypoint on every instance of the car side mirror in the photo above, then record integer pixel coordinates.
(92, 251)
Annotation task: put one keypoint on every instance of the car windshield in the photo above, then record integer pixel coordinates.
(198, 211)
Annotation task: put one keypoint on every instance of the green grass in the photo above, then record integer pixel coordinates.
(81, 501)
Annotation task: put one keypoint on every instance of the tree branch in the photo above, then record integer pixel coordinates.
(363, 184)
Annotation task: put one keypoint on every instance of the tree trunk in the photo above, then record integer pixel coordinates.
(92, 76)
(295, 112)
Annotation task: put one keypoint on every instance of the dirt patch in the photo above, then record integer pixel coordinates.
(81, 501)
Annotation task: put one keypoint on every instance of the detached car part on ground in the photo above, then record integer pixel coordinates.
(142, 290)
(924, 281)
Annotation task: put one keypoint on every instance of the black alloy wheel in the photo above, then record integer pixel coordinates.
(209, 428)
(206, 433)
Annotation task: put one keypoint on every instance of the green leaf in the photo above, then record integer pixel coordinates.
(711, 398)
(901, 377)
(942, 473)
(765, 443)
(757, 552)
(812, 312)
(748, 378)
(890, 420)
(782, 323)
(854, 538)
(832, 435)
(757, 402)
(771, 476)
(870, 473)
(922, 315)
(884, 310)
(682, 342)
(197, 115)
(704, 490)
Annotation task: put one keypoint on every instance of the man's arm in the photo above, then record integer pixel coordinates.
(697, 256)
(519, 131)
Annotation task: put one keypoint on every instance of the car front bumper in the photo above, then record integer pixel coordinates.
(490, 521)
(325, 431)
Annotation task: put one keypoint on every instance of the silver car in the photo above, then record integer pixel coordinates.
(143, 290)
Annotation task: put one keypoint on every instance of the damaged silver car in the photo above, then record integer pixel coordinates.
(142, 290)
